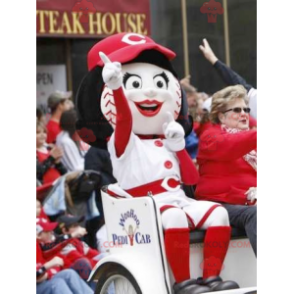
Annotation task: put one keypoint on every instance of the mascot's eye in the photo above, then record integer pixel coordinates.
(214, 8)
(161, 81)
(208, 8)
(159, 84)
(132, 81)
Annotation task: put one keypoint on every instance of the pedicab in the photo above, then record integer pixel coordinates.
(136, 262)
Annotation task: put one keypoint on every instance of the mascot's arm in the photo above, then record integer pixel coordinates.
(112, 77)
(123, 127)
(189, 173)
(175, 142)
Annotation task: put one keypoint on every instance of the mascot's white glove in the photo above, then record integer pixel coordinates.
(111, 73)
(174, 134)
(251, 194)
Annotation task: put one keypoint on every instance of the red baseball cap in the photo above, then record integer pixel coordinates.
(123, 48)
(45, 226)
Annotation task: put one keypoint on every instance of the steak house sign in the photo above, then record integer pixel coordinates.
(72, 18)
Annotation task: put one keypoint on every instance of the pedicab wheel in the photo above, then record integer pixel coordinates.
(117, 280)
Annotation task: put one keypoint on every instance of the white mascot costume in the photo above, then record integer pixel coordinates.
(132, 102)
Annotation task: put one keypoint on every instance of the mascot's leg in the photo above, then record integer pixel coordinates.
(213, 218)
(177, 246)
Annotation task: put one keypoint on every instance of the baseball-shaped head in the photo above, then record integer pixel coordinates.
(151, 92)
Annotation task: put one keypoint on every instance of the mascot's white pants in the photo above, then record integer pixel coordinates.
(177, 217)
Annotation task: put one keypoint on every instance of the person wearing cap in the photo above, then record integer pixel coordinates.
(58, 102)
(51, 278)
(48, 245)
(44, 231)
(77, 254)
(133, 103)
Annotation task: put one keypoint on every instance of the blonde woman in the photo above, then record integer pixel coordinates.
(228, 160)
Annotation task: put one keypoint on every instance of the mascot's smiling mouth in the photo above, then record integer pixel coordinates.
(149, 108)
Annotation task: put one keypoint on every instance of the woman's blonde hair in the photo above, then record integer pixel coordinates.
(222, 98)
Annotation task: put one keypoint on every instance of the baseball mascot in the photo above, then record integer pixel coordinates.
(131, 103)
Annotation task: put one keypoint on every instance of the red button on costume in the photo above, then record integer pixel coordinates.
(158, 143)
(168, 164)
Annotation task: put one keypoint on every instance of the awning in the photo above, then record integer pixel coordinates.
(80, 19)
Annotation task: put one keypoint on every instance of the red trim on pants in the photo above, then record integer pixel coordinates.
(206, 215)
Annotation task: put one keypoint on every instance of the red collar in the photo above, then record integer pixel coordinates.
(146, 137)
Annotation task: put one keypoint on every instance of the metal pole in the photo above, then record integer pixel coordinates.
(227, 34)
(185, 38)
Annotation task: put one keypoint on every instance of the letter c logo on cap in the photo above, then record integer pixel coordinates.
(127, 40)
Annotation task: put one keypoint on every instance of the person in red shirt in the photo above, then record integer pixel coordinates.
(51, 278)
(227, 160)
(77, 254)
(49, 166)
(58, 102)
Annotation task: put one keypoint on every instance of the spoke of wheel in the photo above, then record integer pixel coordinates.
(122, 286)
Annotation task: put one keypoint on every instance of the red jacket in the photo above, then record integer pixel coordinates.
(40, 261)
(199, 128)
(46, 253)
(75, 250)
(224, 174)
(52, 173)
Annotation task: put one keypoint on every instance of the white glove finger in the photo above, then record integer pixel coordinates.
(169, 117)
(104, 58)
(164, 126)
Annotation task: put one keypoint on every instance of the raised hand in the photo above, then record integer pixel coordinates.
(111, 74)
(207, 52)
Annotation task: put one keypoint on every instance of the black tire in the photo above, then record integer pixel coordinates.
(108, 275)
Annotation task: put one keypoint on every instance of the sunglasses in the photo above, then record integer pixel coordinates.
(238, 109)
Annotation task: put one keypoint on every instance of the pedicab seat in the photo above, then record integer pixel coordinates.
(198, 235)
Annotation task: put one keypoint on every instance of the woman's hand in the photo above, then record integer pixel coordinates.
(56, 153)
(251, 194)
(79, 232)
(207, 52)
(111, 73)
